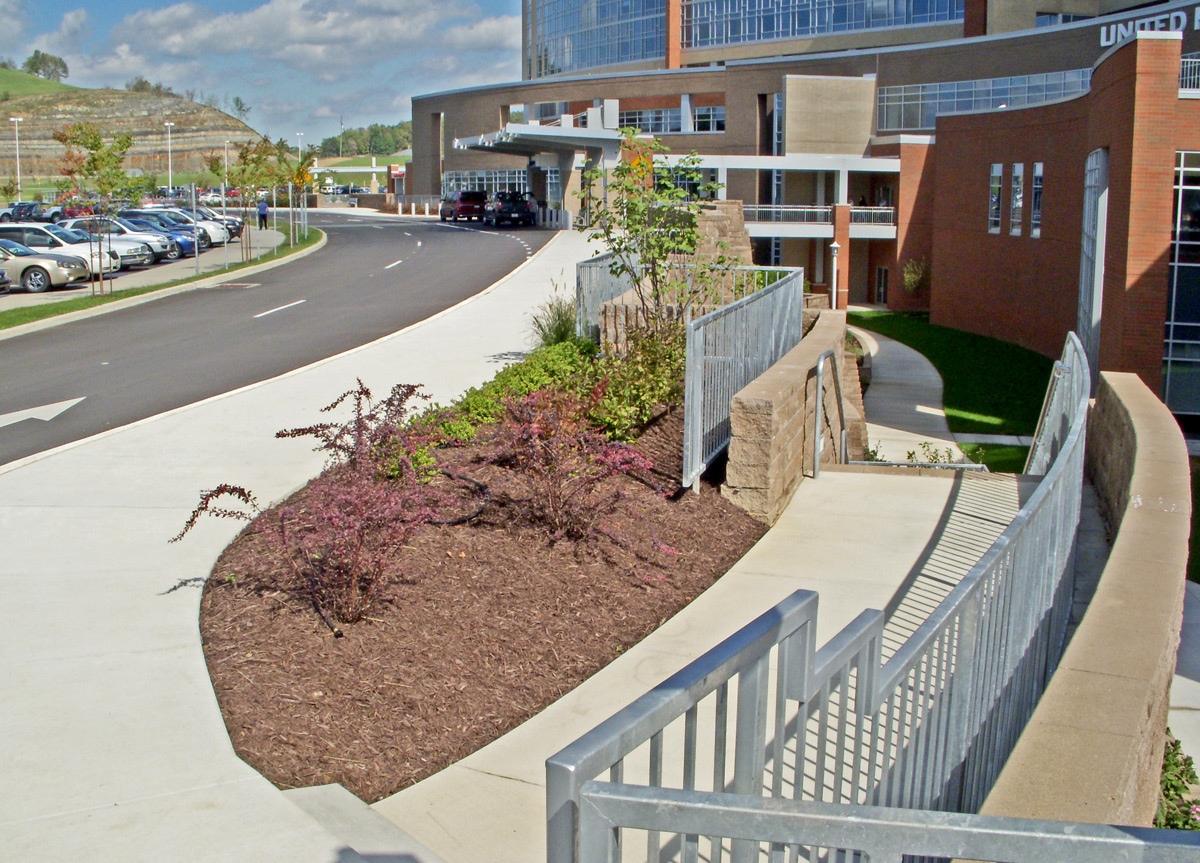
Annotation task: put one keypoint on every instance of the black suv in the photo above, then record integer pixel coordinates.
(463, 205)
(512, 207)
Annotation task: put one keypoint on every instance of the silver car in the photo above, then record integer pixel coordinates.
(37, 272)
(161, 246)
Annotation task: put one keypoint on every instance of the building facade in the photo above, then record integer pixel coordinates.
(1034, 159)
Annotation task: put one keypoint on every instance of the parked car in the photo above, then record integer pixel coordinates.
(38, 272)
(162, 246)
(163, 218)
(5, 281)
(31, 211)
(51, 238)
(184, 236)
(233, 224)
(512, 207)
(463, 205)
(216, 231)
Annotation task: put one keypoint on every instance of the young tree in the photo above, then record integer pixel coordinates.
(240, 109)
(48, 66)
(91, 161)
(646, 218)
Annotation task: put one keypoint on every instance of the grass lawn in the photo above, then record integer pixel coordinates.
(360, 161)
(990, 386)
(29, 314)
(18, 84)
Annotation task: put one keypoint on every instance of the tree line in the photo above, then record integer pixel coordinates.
(48, 66)
(374, 140)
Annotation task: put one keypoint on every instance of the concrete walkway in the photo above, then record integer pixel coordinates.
(903, 404)
(111, 742)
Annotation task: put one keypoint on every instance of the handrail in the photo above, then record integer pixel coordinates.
(818, 438)
(928, 729)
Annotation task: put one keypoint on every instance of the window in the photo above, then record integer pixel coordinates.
(994, 191)
(1035, 202)
(1017, 200)
(710, 119)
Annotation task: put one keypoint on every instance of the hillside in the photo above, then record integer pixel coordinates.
(17, 85)
(198, 133)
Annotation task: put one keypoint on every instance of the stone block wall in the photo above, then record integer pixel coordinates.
(1093, 750)
(772, 420)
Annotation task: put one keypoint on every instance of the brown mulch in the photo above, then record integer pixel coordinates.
(490, 624)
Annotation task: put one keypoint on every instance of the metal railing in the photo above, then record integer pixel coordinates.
(872, 215)
(796, 214)
(819, 413)
(765, 715)
(1189, 72)
(727, 349)
(596, 285)
(880, 835)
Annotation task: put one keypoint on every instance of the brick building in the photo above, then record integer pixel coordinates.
(1024, 151)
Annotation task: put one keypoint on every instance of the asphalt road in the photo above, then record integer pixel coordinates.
(374, 277)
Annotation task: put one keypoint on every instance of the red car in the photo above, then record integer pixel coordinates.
(463, 205)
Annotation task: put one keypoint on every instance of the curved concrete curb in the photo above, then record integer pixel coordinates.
(206, 282)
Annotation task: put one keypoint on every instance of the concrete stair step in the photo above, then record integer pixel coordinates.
(369, 836)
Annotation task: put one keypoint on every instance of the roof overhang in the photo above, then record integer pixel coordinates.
(530, 139)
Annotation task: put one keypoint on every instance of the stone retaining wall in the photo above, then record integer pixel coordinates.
(771, 449)
(1093, 749)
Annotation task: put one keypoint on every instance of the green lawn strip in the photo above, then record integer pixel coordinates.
(18, 84)
(989, 386)
(999, 458)
(29, 314)
(1193, 567)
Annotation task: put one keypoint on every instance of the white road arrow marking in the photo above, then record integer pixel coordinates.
(45, 413)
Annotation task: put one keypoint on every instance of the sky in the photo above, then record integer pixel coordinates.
(299, 64)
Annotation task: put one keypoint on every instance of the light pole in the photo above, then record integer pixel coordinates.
(170, 175)
(834, 247)
(16, 121)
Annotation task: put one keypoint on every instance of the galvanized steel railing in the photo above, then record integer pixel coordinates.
(727, 349)
(764, 715)
(803, 214)
(872, 215)
(1189, 72)
(596, 285)
(880, 835)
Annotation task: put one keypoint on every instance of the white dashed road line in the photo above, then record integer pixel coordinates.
(280, 309)
(393, 264)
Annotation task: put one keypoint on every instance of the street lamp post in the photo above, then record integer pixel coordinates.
(170, 174)
(16, 121)
(834, 247)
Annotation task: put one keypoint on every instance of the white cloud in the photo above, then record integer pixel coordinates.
(72, 32)
(13, 42)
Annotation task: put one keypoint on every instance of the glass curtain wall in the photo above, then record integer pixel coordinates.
(566, 36)
(708, 23)
(1181, 339)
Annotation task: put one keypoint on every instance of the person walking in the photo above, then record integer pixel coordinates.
(262, 214)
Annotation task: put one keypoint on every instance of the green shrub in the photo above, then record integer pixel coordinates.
(554, 321)
(630, 388)
(1175, 810)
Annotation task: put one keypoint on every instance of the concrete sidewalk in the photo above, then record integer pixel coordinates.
(111, 740)
(903, 404)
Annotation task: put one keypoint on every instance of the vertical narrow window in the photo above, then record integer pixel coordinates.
(1035, 202)
(994, 191)
(1017, 199)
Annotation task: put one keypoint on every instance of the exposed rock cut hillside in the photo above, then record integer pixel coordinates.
(199, 131)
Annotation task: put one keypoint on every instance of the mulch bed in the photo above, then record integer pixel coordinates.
(490, 624)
